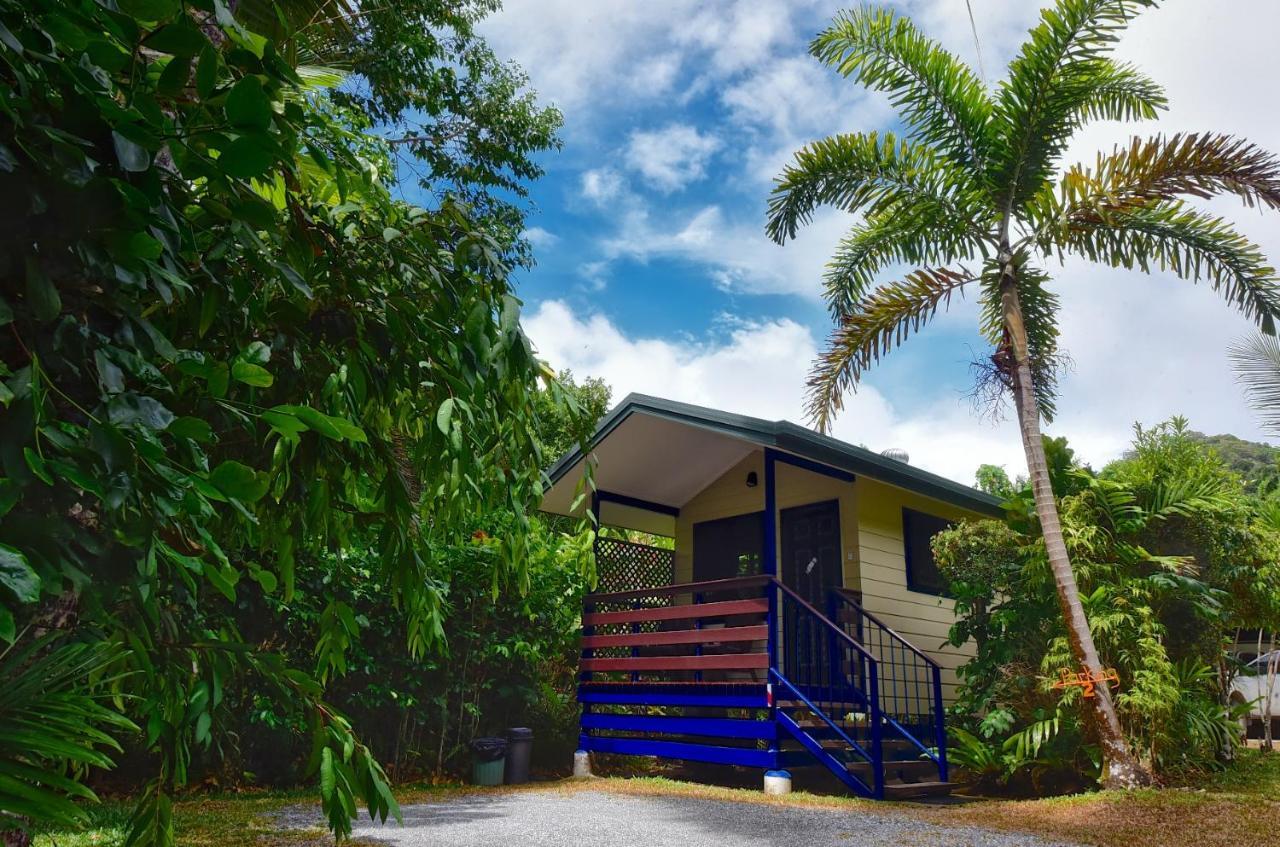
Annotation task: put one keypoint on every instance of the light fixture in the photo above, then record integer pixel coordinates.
(752, 479)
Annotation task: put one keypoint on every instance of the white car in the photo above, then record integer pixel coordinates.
(1254, 680)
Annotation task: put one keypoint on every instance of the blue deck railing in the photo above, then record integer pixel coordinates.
(725, 671)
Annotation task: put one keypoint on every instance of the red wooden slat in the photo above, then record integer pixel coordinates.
(678, 613)
(712, 586)
(678, 636)
(725, 662)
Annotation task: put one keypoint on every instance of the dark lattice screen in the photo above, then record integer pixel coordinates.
(625, 566)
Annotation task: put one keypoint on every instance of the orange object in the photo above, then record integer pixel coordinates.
(1085, 680)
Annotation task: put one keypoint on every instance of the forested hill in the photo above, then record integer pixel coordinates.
(1257, 462)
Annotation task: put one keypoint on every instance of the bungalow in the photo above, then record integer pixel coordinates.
(789, 613)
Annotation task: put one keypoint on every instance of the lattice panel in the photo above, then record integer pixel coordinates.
(625, 565)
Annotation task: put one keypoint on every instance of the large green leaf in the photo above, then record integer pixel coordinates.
(42, 294)
(131, 155)
(238, 480)
(248, 156)
(248, 106)
(251, 374)
(17, 575)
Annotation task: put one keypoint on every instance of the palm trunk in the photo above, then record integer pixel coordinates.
(1120, 768)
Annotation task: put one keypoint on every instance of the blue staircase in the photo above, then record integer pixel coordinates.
(747, 672)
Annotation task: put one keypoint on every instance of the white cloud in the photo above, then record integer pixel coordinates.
(759, 368)
(602, 186)
(671, 157)
(540, 238)
(735, 253)
(614, 54)
(596, 274)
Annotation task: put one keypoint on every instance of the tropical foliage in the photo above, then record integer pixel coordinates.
(974, 195)
(234, 368)
(1172, 560)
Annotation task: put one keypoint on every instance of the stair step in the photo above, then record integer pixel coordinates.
(888, 745)
(896, 772)
(815, 723)
(910, 790)
(844, 706)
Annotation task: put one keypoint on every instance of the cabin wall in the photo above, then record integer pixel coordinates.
(922, 619)
(729, 496)
(873, 554)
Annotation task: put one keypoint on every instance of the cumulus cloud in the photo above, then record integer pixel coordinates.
(671, 157)
(758, 368)
(540, 238)
(603, 185)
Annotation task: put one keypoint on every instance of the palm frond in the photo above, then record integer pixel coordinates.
(52, 718)
(1174, 237)
(1199, 165)
(1257, 362)
(937, 95)
(1061, 78)
(915, 236)
(873, 173)
(882, 321)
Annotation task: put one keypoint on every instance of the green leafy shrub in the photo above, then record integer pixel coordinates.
(1170, 558)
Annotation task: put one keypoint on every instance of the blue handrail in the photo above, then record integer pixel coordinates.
(814, 666)
(910, 680)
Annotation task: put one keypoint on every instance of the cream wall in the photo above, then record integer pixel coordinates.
(871, 541)
(729, 495)
(922, 619)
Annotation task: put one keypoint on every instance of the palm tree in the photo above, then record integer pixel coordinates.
(975, 179)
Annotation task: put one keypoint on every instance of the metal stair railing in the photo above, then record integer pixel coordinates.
(811, 669)
(909, 681)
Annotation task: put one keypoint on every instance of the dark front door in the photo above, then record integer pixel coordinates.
(811, 564)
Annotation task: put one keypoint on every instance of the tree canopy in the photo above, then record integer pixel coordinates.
(228, 353)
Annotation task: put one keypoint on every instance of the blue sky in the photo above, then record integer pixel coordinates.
(653, 268)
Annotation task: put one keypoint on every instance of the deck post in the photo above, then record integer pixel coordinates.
(770, 551)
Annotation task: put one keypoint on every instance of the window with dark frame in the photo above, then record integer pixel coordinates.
(728, 547)
(918, 530)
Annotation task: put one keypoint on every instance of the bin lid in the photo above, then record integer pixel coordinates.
(489, 749)
(519, 733)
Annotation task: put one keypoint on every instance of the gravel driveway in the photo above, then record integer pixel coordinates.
(600, 819)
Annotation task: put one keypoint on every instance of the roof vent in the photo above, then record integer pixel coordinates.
(897, 454)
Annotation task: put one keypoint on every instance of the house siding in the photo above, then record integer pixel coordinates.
(922, 619)
(872, 551)
(729, 496)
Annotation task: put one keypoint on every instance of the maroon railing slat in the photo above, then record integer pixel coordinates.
(706, 587)
(678, 613)
(722, 662)
(678, 636)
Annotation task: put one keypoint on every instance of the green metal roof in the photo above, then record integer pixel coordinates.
(791, 438)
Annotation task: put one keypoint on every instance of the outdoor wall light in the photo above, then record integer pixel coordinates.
(752, 479)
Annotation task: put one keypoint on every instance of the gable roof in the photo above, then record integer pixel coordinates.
(787, 437)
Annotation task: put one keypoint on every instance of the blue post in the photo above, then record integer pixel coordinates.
(941, 726)
(770, 551)
(770, 515)
(877, 749)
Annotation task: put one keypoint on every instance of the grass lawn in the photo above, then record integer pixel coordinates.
(1238, 807)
